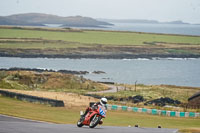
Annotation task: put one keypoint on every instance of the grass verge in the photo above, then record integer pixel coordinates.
(194, 130)
(23, 109)
(13, 107)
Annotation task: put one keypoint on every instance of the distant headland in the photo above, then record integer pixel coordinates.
(40, 19)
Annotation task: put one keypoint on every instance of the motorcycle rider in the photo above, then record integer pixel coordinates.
(102, 102)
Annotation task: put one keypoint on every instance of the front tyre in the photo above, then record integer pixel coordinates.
(80, 122)
(95, 120)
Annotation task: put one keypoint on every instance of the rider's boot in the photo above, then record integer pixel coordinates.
(101, 122)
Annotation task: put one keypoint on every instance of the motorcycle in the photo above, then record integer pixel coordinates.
(93, 117)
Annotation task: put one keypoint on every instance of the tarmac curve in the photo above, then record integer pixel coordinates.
(17, 125)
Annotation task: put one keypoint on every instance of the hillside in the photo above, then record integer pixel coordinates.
(10, 21)
(49, 81)
(38, 19)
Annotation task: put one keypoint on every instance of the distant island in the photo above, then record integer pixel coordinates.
(141, 21)
(39, 19)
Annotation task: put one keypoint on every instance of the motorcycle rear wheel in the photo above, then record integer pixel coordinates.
(95, 120)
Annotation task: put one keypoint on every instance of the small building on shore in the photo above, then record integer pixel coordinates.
(194, 101)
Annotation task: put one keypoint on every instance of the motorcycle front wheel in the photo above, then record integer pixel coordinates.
(95, 120)
(80, 122)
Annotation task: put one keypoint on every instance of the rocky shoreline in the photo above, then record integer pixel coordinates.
(50, 70)
(45, 70)
(100, 56)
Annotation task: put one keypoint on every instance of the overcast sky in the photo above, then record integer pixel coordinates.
(162, 10)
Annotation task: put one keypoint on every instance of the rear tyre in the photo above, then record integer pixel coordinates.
(95, 120)
(80, 122)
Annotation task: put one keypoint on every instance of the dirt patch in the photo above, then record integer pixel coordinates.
(70, 99)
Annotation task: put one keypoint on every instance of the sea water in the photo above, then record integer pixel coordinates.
(172, 71)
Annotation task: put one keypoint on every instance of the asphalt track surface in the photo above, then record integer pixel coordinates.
(18, 125)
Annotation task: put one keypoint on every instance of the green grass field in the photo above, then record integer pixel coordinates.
(23, 41)
(23, 109)
(99, 37)
(40, 45)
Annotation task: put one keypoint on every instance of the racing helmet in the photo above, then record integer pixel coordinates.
(103, 101)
